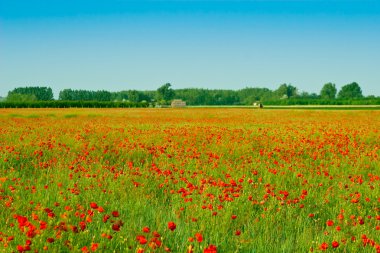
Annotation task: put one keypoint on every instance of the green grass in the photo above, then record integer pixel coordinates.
(196, 168)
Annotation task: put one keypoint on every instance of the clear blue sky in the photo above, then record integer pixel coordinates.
(120, 44)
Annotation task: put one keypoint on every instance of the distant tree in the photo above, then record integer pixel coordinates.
(248, 96)
(350, 91)
(66, 94)
(85, 95)
(165, 92)
(313, 95)
(286, 91)
(134, 96)
(328, 91)
(101, 95)
(40, 93)
(17, 97)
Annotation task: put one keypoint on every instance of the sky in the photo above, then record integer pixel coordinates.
(123, 44)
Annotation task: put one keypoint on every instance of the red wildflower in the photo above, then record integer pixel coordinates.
(115, 227)
(323, 246)
(146, 230)
(171, 225)
(329, 223)
(115, 214)
(199, 237)
(93, 205)
(335, 244)
(105, 218)
(141, 239)
(74, 229)
(210, 249)
(82, 225)
(94, 246)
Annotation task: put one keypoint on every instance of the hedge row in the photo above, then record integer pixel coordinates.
(73, 104)
(305, 101)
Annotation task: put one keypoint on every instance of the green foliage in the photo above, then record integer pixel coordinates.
(72, 104)
(84, 95)
(165, 92)
(350, 91)
(134, 96)
(285, 94)
(40, 93)
(248, 96)
(17, 97)
(286, 91)
(328, 91)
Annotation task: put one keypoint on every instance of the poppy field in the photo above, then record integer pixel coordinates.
(189, 180)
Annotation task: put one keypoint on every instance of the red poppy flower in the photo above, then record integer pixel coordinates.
(199, 237)
(106, 217)
(94, 246)
(141, 239)
(93, 205)
(20, 248)
(115, 227)
(171, 225)
(82, 225)
(335, 244)
(324, 246)
(210, 249)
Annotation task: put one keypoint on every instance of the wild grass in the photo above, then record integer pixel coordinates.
(242, 180)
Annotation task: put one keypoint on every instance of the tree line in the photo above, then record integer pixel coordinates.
(285, 94)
